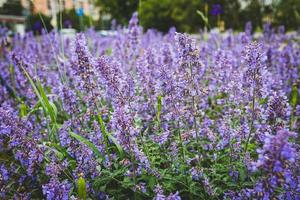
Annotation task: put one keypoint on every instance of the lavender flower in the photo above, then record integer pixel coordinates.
(4, 173)
(171, 105)
(216, 9)
(133, 30)
(83, 67)
(56, 190)
(174, 196)
(248, 28)
(275, 159)
(69, 100)
(27, 151)
(112, 77)
(255, 70)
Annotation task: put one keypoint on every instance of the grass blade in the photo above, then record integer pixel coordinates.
(86, 142)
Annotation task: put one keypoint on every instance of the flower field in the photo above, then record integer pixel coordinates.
(146, 115)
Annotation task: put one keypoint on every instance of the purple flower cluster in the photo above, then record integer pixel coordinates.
(55, 190)
(19, 138)
(147, 115)
(276, 159)
(83, 67)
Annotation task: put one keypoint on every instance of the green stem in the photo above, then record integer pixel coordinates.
(134, 174)
(181, 144)
(252, 122)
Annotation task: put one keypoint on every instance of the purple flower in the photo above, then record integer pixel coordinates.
(67, 23)
(248, 28)
(276, 158)
(255, 70)
(56, 190)
(174, 196)
(196, 173)
(26, 148)
(37, 26)
(112, 77)
(133, 30)
(141, 187)
(216, 9)
(69, 100)
(4, 173)
(83, 66)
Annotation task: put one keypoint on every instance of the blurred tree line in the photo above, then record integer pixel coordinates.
(65, 19)
(182, 14)
(36, 22)
(12, 8)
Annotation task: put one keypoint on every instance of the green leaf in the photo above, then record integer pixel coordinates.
(103, 188)
(294, 96)
(60, 149)
(297, 15)
(51, 108)
(205, 19)
(72, 164)
(81, 188)
(116, 143)
(109, 136)
(159, 107)
(152, 182)
(108, 51)
(242, 174)
(23, 109)
(86, 142)
(36, 107)
(101, 123)
(58, 154)
(36, 91)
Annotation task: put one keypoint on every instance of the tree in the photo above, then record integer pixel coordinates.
(158, 18)
(231, 14)
(183, 14)
(35, 23)
(71, 20)
(288, 14)
(162, 14)
(167, 13)
(120, 10)
(253, 13)
(11, 7)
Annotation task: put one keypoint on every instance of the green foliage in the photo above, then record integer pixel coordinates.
(171, 170)
(114, 181)
(81, 188)
(159, 107)
(288, 14)
(184, 14)
(12, 7)
(294, 100)
(164, 14)
(86, 142)
(203, 17)
(253, 13)
(294, 96)
(49, 108)
(107, 136)
(69, 17)
(120, 10)
(37, 22)
(231, 15)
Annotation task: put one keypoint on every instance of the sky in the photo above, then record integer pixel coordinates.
(243, 3)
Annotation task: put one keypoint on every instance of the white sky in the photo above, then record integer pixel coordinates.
(267, 2)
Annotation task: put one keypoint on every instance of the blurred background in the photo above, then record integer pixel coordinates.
(185, 15)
